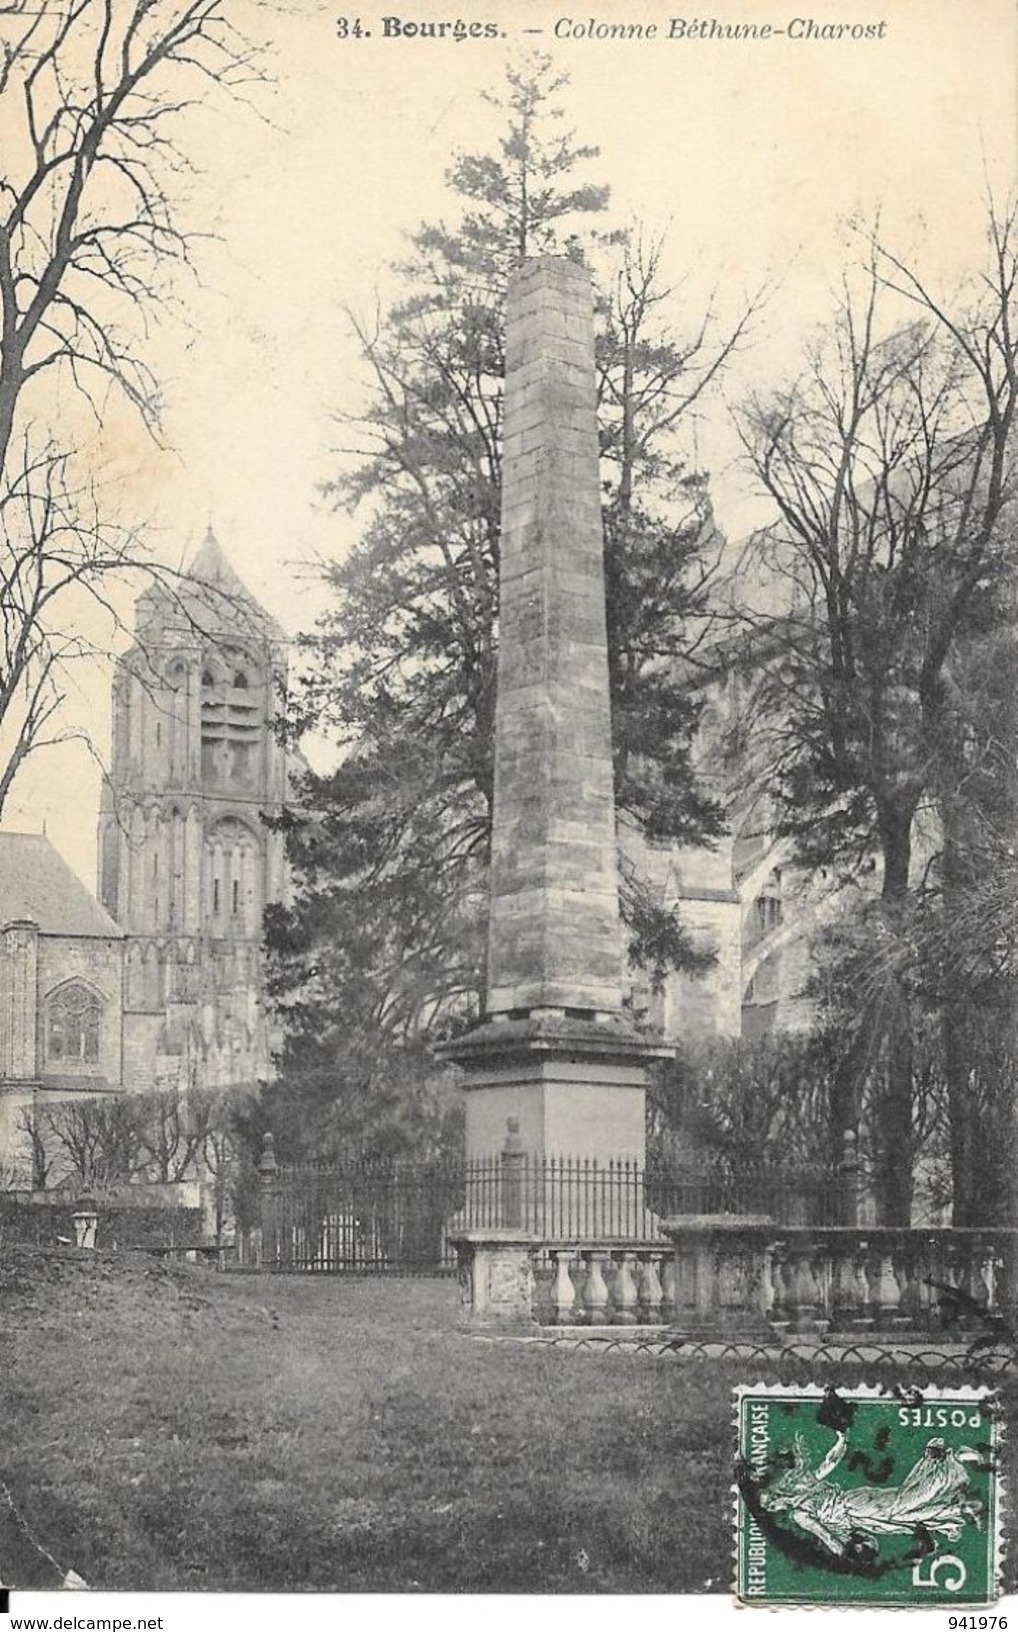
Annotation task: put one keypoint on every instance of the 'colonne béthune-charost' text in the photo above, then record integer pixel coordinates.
(713, 28)
(598, 29)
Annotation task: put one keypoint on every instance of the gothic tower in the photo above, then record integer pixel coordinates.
(186, 861)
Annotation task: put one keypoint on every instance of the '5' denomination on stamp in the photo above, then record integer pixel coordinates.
(864, 1496)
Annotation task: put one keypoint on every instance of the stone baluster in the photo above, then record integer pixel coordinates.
(594, 1295)
(885, 1293)
(685, 1278)
(909, 1301)
(766, 1291)
(802, 1290)
(563, 1292)
(846, 1305)
(780, 1273)
(864, 1286)
(925, 1298)
(669, 1287)
(822, 1266)
(649, 1288)
(624, 1295)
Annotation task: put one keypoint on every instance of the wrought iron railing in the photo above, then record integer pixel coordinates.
(370, 1215)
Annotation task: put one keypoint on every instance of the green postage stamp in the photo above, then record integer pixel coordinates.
(867, 1496)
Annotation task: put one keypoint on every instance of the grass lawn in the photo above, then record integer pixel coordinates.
(167, 1428)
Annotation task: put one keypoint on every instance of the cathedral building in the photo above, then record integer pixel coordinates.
(187, 864)
(158, 983)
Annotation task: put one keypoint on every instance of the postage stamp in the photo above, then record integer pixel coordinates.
(867, 1496)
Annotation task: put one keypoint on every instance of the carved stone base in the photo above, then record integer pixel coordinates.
(496, 1278)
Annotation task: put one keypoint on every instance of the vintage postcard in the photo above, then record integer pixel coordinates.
(508, 674)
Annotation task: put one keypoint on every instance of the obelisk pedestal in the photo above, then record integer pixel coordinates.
(555, 1050)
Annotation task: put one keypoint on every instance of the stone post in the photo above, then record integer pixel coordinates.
(514, 1166)
(86, 1223)
(268, 1170)
(719, 1268)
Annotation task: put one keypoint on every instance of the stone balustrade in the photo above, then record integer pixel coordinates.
(739, 1275)
(748, 1277)
(601, 1283)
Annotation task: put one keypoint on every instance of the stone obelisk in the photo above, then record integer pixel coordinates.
(555, 1051)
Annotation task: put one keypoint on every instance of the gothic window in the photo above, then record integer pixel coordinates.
(231, 724)
(73, 1016)
(768, 913)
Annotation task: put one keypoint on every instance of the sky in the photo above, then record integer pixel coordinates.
(750, 155)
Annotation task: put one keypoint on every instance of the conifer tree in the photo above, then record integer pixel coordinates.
(385, 940)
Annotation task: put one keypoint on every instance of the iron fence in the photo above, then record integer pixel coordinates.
(372, 1216)
(366, 1217)
(788, 1195)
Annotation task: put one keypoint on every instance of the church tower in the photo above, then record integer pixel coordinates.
(186, 861)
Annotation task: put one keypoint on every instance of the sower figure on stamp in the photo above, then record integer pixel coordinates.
(933, 1494)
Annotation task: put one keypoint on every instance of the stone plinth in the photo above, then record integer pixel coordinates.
(554, 932)
(496, 1277)
(574, 1088)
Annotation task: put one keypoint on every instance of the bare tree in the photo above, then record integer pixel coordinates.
(890, 465)
(60, 563)
(221, 1160)
(93, 97)
(89, 227)
(99, 1138)
(33, 1124)
(171, 1134)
